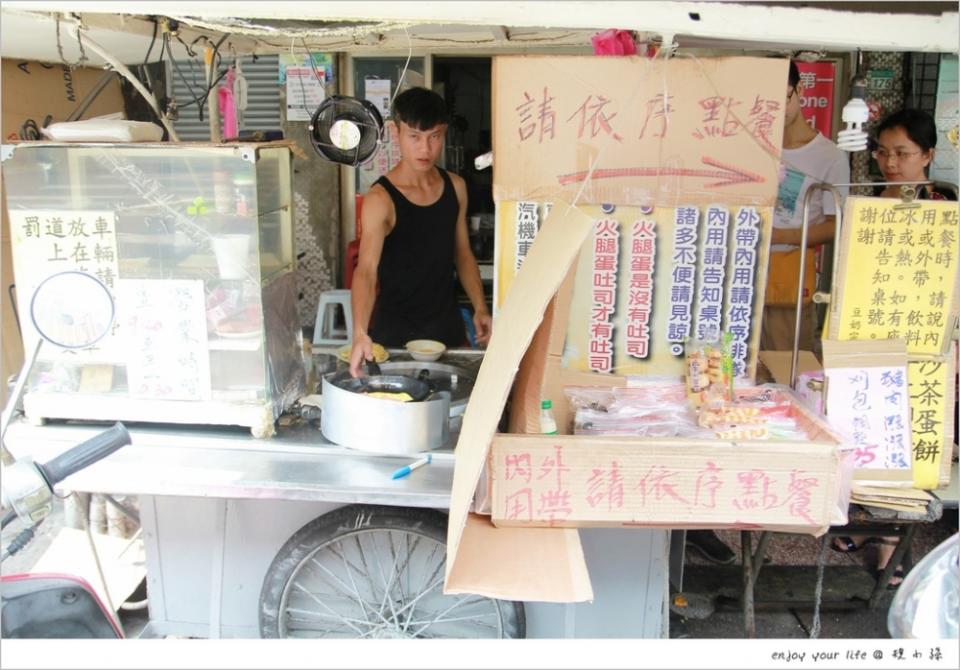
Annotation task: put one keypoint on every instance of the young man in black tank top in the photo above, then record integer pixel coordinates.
(414, 236)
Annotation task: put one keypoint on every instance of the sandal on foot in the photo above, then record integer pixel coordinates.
(896, 579)
(845, 544)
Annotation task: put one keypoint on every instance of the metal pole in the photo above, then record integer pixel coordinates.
(803, 265)
(749, 622)
(836, 249)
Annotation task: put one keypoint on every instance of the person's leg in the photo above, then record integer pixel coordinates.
(846, 544)
(885, 549)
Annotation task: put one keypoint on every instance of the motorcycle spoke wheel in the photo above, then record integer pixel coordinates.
(380, 576)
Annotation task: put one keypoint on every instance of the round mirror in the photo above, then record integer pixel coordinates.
(72, 309)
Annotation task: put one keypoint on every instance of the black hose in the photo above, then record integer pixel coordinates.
(20, 541)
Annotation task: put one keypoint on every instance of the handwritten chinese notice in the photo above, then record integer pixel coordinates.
(606, 256)
(870, 407)
(49, 241)
(628, 129)
(739, 316)
(541, 481)
(643, 247)
(932, 411)
(662, 254)
(166, 333)
(899, 273)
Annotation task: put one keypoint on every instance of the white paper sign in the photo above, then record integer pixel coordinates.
(870, 406)
(49, 241)
(305, 92)
(377, 91)
(165, 328)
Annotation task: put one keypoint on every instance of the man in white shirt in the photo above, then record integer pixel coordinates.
(808, 158)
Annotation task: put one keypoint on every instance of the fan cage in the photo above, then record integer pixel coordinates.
(363, 114)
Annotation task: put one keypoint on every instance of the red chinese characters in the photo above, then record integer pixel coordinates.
(606, 253)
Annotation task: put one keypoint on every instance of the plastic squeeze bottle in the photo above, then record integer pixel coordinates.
(547, 424)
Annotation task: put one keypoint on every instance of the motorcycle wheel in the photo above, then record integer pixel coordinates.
(366, 571)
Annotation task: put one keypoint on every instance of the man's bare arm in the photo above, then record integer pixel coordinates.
(374, 219)
(467, 269)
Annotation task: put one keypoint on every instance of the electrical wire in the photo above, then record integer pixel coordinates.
(12, 295)
(152, 41)
(96, 556)
(129, 76)
(404, 72)
(303, 90)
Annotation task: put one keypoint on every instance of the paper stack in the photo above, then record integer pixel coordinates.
(899, 499)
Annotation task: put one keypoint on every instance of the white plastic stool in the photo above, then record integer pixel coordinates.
(323, 330)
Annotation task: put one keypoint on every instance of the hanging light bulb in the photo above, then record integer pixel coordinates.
(855, 113)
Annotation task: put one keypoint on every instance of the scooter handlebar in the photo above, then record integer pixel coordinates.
(84, 454)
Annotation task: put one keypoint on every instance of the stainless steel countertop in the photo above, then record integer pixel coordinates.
(227, 462)
(206, 461)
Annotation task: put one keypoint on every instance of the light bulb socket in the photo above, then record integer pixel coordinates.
(858, 87)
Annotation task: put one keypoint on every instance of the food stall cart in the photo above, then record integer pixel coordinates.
(194, 243)
(219, 505)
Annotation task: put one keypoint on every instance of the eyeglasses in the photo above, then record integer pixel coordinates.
(883, 154)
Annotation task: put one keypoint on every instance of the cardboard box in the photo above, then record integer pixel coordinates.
(547, 564)
(809, 389)
(528, 344)
(587, 481)
(32, 90)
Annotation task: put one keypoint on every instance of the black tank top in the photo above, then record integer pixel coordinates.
(417, 298)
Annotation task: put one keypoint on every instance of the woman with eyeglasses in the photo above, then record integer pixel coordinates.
(905, 145)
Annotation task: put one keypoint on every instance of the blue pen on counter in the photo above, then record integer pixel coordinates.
(407, 469)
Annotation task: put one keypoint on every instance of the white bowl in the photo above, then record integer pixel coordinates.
(425, 350)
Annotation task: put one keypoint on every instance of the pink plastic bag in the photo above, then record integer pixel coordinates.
(613, 42)
(228, 108)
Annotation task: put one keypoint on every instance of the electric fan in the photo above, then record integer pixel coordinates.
(346, 130)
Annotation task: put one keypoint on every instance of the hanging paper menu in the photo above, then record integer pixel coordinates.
(868, 402)
(166, 333)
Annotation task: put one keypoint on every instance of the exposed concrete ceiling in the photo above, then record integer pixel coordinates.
(29, 29)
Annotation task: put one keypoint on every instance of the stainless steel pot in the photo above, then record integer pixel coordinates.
(353, 419)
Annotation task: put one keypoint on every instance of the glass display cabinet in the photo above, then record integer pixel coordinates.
(195, 243)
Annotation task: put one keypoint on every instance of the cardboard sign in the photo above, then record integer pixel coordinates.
(564, 481)
(565, 569)
(898, 273)
(633, 130)
(867, 401)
